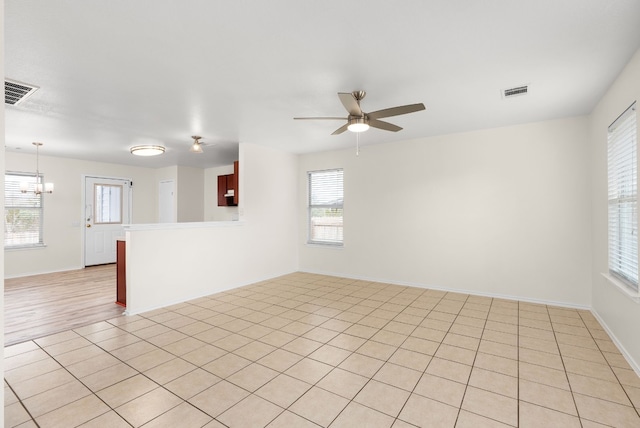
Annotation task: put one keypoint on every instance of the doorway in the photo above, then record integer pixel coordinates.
(107, 208)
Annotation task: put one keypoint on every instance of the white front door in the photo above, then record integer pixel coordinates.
(106, 210)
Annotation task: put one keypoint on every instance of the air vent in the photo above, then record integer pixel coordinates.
(514, 92)
(16, 92)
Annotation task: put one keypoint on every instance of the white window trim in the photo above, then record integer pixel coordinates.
(622, 277)
(314, 243)
(324, 245)
(622, 287)
(25, 247)
(36, 245)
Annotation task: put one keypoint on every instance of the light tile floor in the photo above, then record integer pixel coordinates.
(308, 350)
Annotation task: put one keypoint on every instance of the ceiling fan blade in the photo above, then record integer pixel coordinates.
(350, 103)
(396, 111)
(341, 129)
(384, 125)
(319, 118)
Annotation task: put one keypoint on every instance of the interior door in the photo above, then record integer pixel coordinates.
(166, 212)
(107, 209)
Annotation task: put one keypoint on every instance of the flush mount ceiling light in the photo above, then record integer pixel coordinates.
(147, 150)
(196, 147)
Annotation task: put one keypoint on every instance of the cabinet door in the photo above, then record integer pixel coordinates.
(222, 189)
(236, 171)
(231, 185)
(121, 277)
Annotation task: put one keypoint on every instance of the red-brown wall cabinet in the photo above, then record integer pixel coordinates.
(226, 183)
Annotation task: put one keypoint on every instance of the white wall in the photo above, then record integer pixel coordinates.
(172, 263)
(616, 310)
(63, 215)
(212, 212)
(503, 212)
(190, 188)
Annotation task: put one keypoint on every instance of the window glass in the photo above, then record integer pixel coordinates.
(108, 204)
(22, 211)
(326, 207)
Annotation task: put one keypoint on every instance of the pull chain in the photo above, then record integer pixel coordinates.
(357, 144)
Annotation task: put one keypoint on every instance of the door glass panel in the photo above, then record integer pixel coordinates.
(108, 204)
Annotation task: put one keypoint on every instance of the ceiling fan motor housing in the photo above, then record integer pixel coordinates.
(359, 95)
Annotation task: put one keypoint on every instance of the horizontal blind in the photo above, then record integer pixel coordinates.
(326, 198)
(326, 188)
(623, 196)
(23, 211)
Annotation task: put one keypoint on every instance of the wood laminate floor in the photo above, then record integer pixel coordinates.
(40, 305)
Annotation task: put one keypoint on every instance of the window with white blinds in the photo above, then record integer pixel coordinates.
(22, 211)
(623, 198)
(325, 207)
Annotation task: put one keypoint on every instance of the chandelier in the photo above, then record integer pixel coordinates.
(39, 187)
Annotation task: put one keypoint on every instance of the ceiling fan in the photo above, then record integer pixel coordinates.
(359, 121)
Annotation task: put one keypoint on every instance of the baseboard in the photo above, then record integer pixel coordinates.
(627, 356)
(22, 275)
(456, 290)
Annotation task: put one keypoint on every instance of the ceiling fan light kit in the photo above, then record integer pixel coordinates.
(147, 150)
(196, 147)
(359, 121)
(358, 124)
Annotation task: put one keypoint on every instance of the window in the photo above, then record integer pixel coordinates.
(108, 204)
(623, 198)
(325, 207)
(22, 211)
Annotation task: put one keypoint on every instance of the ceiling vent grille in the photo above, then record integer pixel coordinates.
(514, 92)
(16, 92)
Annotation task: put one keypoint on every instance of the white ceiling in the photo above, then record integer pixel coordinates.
(113, 74)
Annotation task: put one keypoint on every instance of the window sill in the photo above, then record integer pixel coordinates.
(622, 287)
(321, 245)
(26, 247)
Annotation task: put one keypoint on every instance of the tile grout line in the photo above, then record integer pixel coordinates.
(466, 387)
(564, 367)
(177, 356)
(232, 351)
(283, 373)
(352, 352)
(430, 360)
(138, 372)
(395, 418)
(610, 367)
(296, 301)
(74, 377)
(22, 404)
(318, 381)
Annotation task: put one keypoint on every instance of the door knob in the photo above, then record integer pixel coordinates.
(88, 225)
